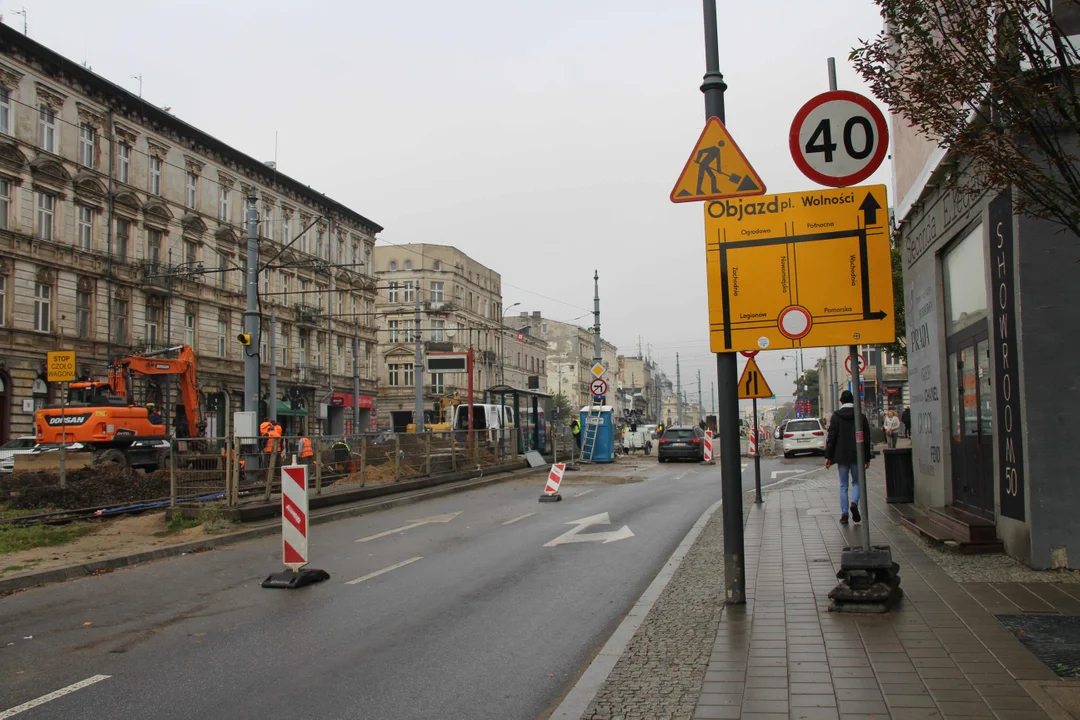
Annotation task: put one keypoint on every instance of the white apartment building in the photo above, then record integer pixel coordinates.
(122, 230)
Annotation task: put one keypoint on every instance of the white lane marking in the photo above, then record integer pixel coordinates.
(519, 517)
(778, 473)
(416, 523)
(377, 573)
(576, 536)
(584, 492)
(52, 696)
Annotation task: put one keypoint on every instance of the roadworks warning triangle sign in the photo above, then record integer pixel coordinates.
(716, 169)
(752, 383)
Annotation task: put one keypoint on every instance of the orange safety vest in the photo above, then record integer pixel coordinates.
(272, 442)
(264, 427)
(305, 448)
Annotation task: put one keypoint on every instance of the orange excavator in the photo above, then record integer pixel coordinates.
(103, 418)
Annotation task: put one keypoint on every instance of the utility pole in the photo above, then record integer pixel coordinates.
(271, 402)
(700, 402)
(727, 371)
(251, 312)
(596, 317)
(418, 368)
(355, 378)
(712, 397)
(678, 391)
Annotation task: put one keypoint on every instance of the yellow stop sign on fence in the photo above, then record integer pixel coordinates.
(61, 366)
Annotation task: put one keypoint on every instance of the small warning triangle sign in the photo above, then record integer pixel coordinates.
(716, 169)
(752, 383)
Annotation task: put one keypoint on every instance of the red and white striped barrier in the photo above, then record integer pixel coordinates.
(294, 516)
(753, 444)
(551, 490)
(294, 532)
(708, 447)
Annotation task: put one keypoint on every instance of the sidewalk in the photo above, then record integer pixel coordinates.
(939, 654)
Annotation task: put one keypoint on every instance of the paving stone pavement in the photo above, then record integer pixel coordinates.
(660, 674)
(938, 654)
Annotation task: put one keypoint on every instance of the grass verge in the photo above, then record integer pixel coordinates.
(15, 539)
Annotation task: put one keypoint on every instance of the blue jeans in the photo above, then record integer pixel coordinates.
(847, 469)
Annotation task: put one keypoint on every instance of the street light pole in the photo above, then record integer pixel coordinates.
(251, 314)
(713, 87)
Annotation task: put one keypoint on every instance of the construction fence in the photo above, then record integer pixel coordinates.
(245, 470)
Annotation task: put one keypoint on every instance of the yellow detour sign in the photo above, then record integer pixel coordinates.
(716, 169)
(752, 383)
(61, 366)
(806, 269)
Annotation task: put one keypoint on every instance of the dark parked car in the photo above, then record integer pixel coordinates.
(685, 441)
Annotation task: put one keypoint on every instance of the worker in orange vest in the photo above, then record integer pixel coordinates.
(306, 451)
(273, 442)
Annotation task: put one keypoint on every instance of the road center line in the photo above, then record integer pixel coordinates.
(584, 492)
(377, 573)
(52, 696)
(519, 517)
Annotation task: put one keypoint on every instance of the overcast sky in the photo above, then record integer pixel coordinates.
(541, 138)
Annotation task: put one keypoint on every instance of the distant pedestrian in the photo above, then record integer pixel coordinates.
(841, 450)
(575, 428)
(892, 428)
(905, 417)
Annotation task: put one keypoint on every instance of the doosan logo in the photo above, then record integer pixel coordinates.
(67, 419)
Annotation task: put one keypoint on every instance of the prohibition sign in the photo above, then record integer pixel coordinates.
(838, 138)
(795, 321)
(598, 387)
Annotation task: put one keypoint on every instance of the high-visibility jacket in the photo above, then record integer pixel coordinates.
(576, 427)
(264, 427)
(273, 442)
(305, 448)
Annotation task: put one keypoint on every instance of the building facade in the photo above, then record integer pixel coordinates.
(890, 394)
(989, 303)
(637, 392)
(122, 231)
(460, 307)
(569, 360)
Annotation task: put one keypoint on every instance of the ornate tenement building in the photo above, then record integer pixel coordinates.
(122, 230)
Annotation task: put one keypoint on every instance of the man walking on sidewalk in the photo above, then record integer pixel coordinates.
(840, 450)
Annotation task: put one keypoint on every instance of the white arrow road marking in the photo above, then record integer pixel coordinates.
(377, 573)
(52, 696)
(519, 517)
(575, 535)
(778, 473)
(415, 523)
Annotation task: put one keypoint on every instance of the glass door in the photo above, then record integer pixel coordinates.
(971, 405)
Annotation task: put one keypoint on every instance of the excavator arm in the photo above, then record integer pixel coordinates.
(183, 366)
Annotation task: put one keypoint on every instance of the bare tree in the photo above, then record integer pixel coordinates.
(993, 80)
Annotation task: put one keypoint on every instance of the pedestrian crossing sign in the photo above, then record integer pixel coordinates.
(716, 169)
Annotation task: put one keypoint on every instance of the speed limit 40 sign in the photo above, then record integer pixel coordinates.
(839, 138)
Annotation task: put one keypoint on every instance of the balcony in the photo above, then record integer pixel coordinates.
(439, 306)
(311, 374)
(894, 372)
(308, 314)
(160, 275)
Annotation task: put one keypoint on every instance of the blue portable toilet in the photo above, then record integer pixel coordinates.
(604, 447)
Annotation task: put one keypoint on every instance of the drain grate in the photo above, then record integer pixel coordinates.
(1054, 639)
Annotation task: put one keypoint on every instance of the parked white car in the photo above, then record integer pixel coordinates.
(804, 435)
(18, 446)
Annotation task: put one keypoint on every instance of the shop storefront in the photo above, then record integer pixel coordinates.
(987, 299)
(339, 414)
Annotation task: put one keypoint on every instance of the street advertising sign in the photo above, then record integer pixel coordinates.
(61, 366)
(716, 169)
(838, 138)
(799, 270)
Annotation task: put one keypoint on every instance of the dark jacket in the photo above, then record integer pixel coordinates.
(905, 417)
(840, 445)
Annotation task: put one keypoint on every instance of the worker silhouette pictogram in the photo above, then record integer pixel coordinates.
(705, 159)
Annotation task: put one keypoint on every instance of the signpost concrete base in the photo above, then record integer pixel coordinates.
(289, 580)
(869, 581)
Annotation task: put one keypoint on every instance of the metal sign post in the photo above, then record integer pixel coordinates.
(860, 451)
(757, 458)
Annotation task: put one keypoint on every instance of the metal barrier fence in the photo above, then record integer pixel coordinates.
(241, 470)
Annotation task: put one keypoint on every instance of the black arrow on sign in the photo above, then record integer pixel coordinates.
(869, 207)
(879, 315)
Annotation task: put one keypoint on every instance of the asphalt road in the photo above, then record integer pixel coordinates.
(477, 615)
